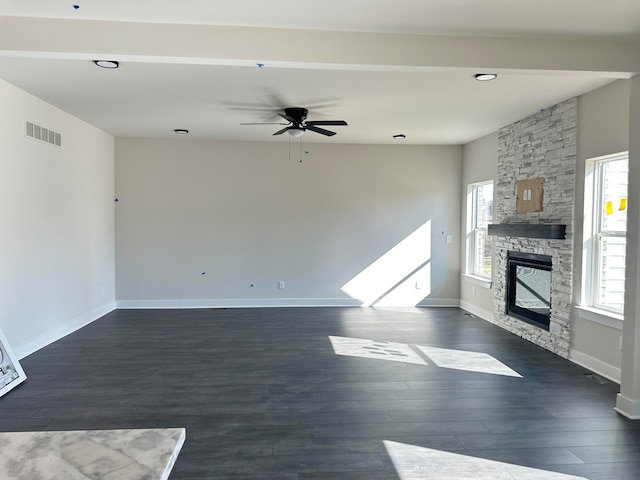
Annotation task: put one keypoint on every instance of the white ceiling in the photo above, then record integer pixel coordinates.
(612, 18)
(201, 79)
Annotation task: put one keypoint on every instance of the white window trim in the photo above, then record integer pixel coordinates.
(481, 280)
(601, 317)
(588, 310)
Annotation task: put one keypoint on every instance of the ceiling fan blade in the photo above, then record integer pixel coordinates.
(280, 132)
(265, 123)
(287, 118)
(322, 131)
(327, 122)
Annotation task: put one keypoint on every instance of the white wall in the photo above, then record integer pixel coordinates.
(628, 401)
(603, 128)
(57, 220)
(479, 163)
(245, 213)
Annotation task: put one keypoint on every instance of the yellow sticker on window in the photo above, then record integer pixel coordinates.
(608, 208)
(623, 204)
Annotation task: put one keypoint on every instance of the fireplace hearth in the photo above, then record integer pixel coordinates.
(529, 288)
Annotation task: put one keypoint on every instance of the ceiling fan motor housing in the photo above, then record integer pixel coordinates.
(298, 114)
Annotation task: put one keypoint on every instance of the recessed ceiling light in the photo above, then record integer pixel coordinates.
(181, 131)
(400, 136)
(485, 77)
(107, 63)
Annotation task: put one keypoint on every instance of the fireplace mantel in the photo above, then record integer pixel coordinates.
(528, 230)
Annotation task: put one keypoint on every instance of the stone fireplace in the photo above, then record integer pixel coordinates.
(540, 146)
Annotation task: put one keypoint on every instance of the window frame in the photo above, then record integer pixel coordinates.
(594, 232)
(472, 246)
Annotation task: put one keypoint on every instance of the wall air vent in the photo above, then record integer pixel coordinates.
(42, 133)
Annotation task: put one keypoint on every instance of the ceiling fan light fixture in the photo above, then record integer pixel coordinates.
(485, 77)
(110, 64)
(296, 132)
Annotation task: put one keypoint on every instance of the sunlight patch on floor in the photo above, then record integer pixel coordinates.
(358, 347)
(421, 355)
(468, 361)
(418, 463)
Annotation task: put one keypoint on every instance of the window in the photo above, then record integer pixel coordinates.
(479, 216)
(605, 232)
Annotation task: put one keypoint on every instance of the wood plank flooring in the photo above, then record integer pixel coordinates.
(263, 395)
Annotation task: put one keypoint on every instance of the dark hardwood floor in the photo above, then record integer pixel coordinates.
(263, 395)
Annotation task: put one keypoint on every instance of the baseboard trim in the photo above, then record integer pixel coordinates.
(478, 312)
(627, 407)
(439, 302)
(264, 302)
(595, 365)
(63, 330)
(238, 303)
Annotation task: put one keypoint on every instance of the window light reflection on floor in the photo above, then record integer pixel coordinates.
(358, 347)
(417, 463)
(469, 361)
(421, 355)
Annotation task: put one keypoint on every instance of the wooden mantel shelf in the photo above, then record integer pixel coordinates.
(528, 230)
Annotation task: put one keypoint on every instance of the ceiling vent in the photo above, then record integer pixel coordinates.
(44, 134)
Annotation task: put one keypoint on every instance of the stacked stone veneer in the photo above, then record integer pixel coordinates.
(542, 145)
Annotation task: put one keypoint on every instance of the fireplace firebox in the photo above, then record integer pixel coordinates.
(529, 288)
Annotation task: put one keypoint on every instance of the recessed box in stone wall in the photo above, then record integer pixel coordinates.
(530, 194)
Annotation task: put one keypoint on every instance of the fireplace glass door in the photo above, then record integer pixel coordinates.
(529, 288)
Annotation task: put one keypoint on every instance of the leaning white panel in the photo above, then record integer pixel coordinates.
(11, 373)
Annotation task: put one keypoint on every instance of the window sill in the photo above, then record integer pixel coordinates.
(601, 317)
(479, 281)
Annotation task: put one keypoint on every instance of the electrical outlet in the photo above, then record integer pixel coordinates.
(281, 284)
(620, 346)
(473, 290)
(418, 286)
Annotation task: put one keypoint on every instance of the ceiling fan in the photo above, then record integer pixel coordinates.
(298, 124)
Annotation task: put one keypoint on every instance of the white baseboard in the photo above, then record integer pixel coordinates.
(439, 302)
(628, 407)
(63, 330)
(595, 365)
(239, 303)
(265, 302)
(478, 312)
